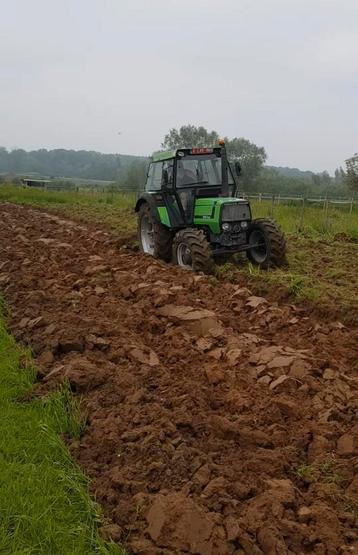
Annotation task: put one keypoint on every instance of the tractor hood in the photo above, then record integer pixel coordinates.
(219, 200)
(208, 210)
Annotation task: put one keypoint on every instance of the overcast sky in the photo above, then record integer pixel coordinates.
(282, 73)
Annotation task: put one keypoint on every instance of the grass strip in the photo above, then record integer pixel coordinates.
(45, 507)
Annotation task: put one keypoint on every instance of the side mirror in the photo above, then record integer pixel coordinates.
(165, 178)
(238, 168)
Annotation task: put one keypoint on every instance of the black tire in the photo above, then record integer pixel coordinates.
(162, 237)
(197, 250)
(271, 251)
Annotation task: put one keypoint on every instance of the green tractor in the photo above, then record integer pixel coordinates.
(190, 213)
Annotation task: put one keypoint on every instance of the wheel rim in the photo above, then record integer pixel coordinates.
(147, 235)
(259, 251)
(184, 256)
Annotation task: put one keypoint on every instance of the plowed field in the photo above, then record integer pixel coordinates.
(218, 422)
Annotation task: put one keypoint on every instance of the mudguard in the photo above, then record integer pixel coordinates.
(170, 202)
(151, 200)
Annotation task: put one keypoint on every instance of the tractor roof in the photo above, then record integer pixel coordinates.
(164, 155)
(169, 154)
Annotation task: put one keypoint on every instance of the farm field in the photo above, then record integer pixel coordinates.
(218, 421)
(322, 248)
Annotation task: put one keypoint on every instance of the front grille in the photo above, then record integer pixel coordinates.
(235, 212)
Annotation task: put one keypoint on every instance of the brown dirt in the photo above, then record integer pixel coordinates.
(218, 422)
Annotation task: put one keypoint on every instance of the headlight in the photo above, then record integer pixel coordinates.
(244, 225)
(226, 226)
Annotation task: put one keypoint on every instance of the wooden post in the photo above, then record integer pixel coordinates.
(351, 206)
(272, 205)
(326, 215)
(302, 214)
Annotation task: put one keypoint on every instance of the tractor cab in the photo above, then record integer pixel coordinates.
(187, 168)
(194, 191)
(189, 183)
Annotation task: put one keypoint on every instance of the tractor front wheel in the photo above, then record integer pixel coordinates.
(154, 238)
(267, 244)
(192, 251)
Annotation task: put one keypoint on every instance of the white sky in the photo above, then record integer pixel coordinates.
(282, 73)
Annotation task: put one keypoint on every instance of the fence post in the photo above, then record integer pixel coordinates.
(278, 198)
(326, 215)
(302, 214)
(351, 206)
(272, 205)
(260, 197)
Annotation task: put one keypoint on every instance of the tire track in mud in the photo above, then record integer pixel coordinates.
(217, 422)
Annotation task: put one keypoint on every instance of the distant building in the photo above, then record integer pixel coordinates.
(30, 182)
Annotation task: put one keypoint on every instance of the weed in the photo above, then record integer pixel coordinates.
(327, 471)
(213, 280)
(297, 284)
(306, 471)
(330, 472)
(350, 505)
(254, 271)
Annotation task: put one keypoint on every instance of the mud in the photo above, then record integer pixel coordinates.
(218, 422)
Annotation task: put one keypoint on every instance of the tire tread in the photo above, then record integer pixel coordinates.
(276, 242)
(163, 237)
(200, 249)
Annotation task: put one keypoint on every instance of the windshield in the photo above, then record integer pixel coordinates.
(200, 170)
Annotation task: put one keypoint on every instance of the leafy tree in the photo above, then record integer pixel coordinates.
(189, 135)
(250, 156)
(326, 179)
(352, 173)
(136, 176)
(339, 176)
(316, 179)
(68, 163)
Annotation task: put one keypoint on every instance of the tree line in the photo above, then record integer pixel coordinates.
(129, 172)
(256, 177)
(82, 164)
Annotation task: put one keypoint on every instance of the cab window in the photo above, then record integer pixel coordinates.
(168, 165)
(154, 177)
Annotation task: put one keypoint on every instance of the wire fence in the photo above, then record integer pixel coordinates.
(295, 213)
(323, 215)
(324, 201)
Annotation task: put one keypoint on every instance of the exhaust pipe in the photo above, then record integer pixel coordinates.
(225, 191)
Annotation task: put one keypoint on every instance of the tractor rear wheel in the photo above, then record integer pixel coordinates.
(192, 251)
(154, 238)
(268, 244)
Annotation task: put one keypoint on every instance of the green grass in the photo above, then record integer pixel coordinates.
(314, 222)
(45, 507)
(326, 471)
(305, 472)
